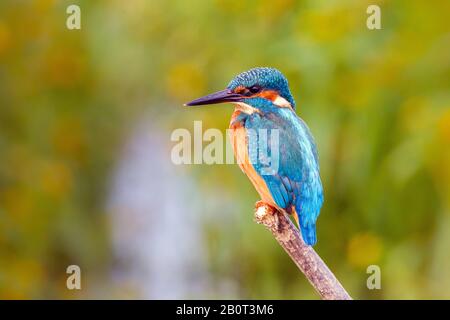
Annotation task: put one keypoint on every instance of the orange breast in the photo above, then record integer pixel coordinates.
(239, 141)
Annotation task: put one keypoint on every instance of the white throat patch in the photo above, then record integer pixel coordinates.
(245, 108)
(281, 102)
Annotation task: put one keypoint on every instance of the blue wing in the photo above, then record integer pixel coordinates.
(296, 180)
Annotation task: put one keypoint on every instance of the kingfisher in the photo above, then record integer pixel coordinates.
(263, 103)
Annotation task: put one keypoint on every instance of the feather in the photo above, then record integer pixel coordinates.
(296, 182)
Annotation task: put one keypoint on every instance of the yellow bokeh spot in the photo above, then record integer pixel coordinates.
(43, 5)
(353, 91)
(414, 114)
(328, 25)
(63, 68)
(17, 202)
(364, 249)
(444, 126)
(24, 276)
(55, 179)
(185, 81)
(5, 38)
(69, 138)
(273, 10)
(230, 6)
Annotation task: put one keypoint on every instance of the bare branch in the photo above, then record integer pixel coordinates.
(304, 256)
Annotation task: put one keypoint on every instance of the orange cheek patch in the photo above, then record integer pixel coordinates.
(240, 90)
(276, 99)
(268, 94)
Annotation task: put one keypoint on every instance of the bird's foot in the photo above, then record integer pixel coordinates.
(266, 214)
(263, 208)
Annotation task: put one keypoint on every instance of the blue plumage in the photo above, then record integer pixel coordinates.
(267, 78)
(264, 108)
(297, 181)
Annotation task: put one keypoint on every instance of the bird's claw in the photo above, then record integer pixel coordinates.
(266, 214)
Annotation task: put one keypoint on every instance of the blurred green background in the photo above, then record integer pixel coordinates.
(377, 102)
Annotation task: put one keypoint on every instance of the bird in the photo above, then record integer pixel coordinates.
(263, 101)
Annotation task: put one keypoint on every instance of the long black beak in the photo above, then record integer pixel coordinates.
(217, 97)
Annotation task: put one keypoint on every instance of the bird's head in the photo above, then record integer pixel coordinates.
(252, 90)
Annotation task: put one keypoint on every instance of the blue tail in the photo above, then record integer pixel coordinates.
(308, 208)
(309, 234)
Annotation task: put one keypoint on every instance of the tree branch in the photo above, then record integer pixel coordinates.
(304, 256)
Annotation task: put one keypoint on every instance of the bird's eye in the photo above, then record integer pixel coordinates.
(254, 89)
